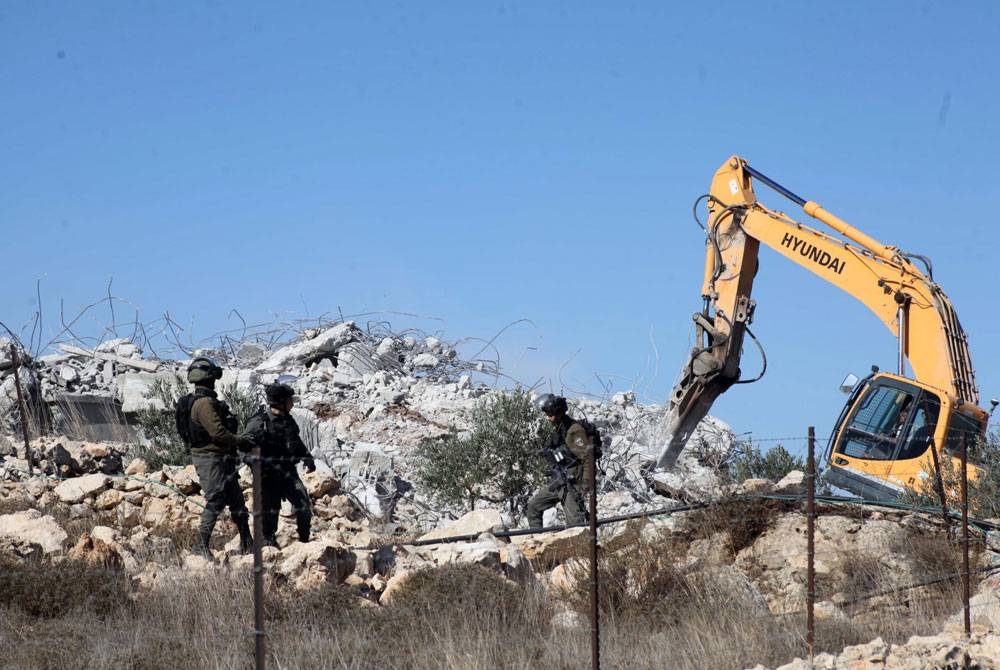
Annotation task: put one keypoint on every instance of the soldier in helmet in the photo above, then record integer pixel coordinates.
(214, 446)
(571, 455)
(274, 430)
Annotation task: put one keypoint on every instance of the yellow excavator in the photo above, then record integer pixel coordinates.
(894, 431)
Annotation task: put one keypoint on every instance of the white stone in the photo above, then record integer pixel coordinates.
(133, 389)
(425, 361)
(354, 361)
(72, 491)
(473, 523)
(325, 343)
(793, 482)
(624, 398)
(33, 527)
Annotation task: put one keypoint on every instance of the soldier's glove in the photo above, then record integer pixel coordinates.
(244, 444)
(310, 464)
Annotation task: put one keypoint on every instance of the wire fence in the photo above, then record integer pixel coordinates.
(858, 601)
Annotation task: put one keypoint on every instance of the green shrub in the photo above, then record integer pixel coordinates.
(498, 460)
(159, 427)
(164, 445)
(749, 463)
(983, 491)
(243, 403)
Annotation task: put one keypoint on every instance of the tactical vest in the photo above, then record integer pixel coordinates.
(557, 446)
(199, 436)
(274, 437)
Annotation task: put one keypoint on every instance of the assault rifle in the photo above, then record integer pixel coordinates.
(559, 477)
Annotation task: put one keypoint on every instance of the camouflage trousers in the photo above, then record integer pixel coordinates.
(284, 484)
(221, 487)
(572, 499)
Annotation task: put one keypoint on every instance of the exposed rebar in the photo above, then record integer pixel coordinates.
(21, 408)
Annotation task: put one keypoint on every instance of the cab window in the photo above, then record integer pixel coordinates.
(878, 425)
(921, 430)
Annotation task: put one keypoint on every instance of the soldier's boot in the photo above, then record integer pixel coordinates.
(201, 545)
(246, 539)
(302, 526)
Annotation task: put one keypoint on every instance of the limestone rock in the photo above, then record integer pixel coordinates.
(515, 566)
(109, 499)
(299, 558)
(74, 490)
(755, 486)
(137, 466)
(484, 553)
(473, 523)
(319, 484)
(95, 552)
(792, 483)
(156, 513)
(549, 549)
(31, 526)
(393, 586)
(183, 479)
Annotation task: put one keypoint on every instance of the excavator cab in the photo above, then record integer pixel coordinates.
(888, 435)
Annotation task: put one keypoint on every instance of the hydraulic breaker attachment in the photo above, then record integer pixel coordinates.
(703, 379)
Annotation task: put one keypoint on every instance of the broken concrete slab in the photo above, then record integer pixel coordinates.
(137, 363)
(475, 522)
(322, 345)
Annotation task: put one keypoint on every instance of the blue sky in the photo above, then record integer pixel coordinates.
(487, 162)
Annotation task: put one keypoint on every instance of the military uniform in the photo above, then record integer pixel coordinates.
(281, 449)
(570, 443)
(214, 446)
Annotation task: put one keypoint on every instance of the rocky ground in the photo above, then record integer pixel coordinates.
(367, 400)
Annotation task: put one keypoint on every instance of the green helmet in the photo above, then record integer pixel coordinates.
(203, 369)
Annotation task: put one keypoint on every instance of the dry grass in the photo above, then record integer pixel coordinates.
(655, 614)
(743, 521)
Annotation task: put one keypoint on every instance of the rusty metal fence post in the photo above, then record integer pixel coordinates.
(595, 622)
(258, 563)
(939, 487)
(965, 536)
(22, 409)
(811, 543)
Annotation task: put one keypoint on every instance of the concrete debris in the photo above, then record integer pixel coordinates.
(366, 399)
(474, 523)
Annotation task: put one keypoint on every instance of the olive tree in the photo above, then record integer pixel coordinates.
(497, 460)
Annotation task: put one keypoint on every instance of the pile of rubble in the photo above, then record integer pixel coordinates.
(141, 522)
(366, 398)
